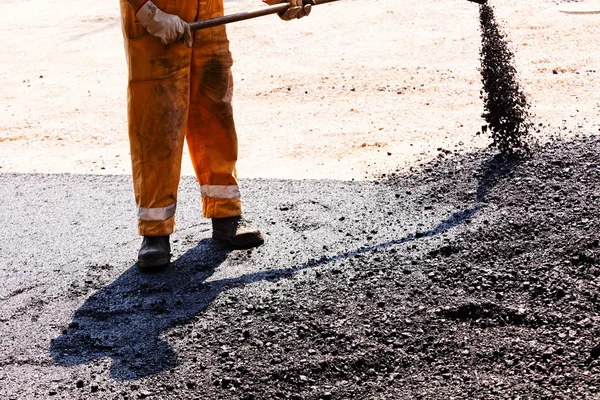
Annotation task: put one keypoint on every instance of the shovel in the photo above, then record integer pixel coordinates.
(244, 15)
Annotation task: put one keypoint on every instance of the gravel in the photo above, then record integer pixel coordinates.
(480, 283)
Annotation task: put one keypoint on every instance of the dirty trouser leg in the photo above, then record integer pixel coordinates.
(158, 99)
(211, 134)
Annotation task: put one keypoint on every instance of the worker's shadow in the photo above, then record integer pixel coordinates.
(129, 320)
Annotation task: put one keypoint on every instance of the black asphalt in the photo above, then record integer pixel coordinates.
(68, 251)
(466, 276)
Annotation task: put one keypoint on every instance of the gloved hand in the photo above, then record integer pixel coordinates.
(296, 10)
(167, 27)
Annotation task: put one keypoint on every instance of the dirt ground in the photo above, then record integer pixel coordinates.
(357, 89)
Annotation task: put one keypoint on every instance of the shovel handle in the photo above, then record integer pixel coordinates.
(244, 15)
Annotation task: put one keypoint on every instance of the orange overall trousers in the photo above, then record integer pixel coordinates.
(176, 92)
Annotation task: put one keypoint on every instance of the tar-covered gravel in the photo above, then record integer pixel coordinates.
(505, 308)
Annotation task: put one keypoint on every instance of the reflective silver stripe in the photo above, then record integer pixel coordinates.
(220, 192)
(156, 214)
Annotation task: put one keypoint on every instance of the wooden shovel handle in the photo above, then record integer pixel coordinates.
(244, 15)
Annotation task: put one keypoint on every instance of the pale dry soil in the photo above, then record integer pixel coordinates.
(357, 89)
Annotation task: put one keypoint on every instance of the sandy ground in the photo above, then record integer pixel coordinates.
(357, 89)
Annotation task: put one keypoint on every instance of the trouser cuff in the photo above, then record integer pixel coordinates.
(221, 208)
(156, 228)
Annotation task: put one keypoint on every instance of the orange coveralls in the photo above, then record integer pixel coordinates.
(176, 92)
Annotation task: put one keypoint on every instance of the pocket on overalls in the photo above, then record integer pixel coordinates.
(132, 28)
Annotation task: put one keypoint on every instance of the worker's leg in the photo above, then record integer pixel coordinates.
(211, 134)
(158, 100)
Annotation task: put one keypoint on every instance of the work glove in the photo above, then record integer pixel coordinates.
(167, 27)
(297, 9)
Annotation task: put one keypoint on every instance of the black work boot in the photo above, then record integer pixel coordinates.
(237, 232)
(155, 252)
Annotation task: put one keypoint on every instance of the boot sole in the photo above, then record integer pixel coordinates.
(151, 264)
(242, 242)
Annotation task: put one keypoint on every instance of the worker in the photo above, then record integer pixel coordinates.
(180, 86)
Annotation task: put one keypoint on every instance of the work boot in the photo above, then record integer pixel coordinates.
(155, 252)
(237, 232)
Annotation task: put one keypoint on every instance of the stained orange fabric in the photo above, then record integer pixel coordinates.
(175, 92)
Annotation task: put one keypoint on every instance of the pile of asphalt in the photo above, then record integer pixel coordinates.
(468, 278)
(506, 308)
